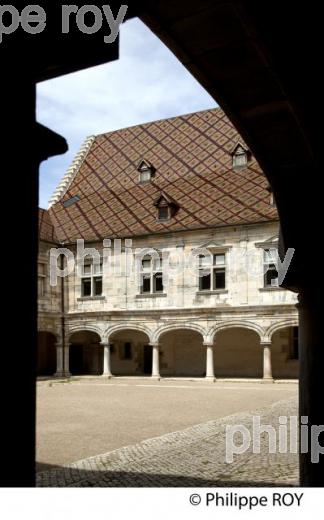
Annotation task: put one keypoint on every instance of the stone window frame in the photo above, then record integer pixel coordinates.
(42, 276)
(271, 267)
(152, 272)
(215, 251)
(91, 275)
(269, 244)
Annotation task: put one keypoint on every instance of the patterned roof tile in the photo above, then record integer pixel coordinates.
(46, 229)
(193, 162)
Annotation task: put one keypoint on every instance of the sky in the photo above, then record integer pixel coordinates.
(146, 83)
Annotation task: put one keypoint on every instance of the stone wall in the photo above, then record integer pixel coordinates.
(244, 278)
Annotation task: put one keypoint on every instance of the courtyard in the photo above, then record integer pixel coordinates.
(140, 432)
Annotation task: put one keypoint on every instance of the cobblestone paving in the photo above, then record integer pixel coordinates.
(193, 457)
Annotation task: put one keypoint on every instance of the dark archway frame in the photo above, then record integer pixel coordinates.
(258, 65)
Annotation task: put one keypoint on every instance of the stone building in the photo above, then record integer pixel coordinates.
(182, 278)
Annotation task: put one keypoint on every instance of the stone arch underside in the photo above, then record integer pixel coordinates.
(285, 362)
(182, 353)
(238, 353)
(130, 352)
(85, 353)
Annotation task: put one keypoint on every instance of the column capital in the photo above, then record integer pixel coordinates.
(267, 343)
(154, 343)
(104, 343)
(208, 344)
(58, 344)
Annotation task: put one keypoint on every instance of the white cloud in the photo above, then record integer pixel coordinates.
(145, 84)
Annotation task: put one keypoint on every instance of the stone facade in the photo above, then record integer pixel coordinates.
(242, 330)
(176, 186)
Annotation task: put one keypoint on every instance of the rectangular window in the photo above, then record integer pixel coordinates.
(239, 160)
(151, 276)
(97, 286)
(158, 282)
(212, 277)
(91, 280)
(163, 213)
(270, 269)
(146, 283)
(204, 282)
(86, 286)
(41, 279)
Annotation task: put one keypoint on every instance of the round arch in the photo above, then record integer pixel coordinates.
(49, 331)
(85, 351)
(242, 324)
(128, 327)
(237, 350)
(178, 326)
(84, 328)
(182, 353)
(274, 327)
(284, 349)
(130, 349)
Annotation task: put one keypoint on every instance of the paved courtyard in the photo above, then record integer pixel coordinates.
(133, 432)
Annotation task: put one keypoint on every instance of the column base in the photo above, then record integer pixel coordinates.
(156, 378)
(268, 380)
(62, 374)
(107, 376)
(212, 379)
(58, 374)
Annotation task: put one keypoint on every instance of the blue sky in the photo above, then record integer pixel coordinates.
(146, 83)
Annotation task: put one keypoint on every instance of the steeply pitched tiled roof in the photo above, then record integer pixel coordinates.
(192, 157)
(46, 230)
(71, 171)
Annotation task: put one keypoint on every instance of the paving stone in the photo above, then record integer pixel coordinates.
(193, 457)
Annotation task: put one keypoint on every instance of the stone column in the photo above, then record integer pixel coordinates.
(311, 363)
(155, 361)
(59, 360)
(106, 359)
(67, 372)
(210, 371)
(267, 364)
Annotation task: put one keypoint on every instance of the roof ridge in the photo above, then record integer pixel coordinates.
(71, 172)
(162, 119)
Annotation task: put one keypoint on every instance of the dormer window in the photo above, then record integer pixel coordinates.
(146, 171)
(240, 157)
(165, 207)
